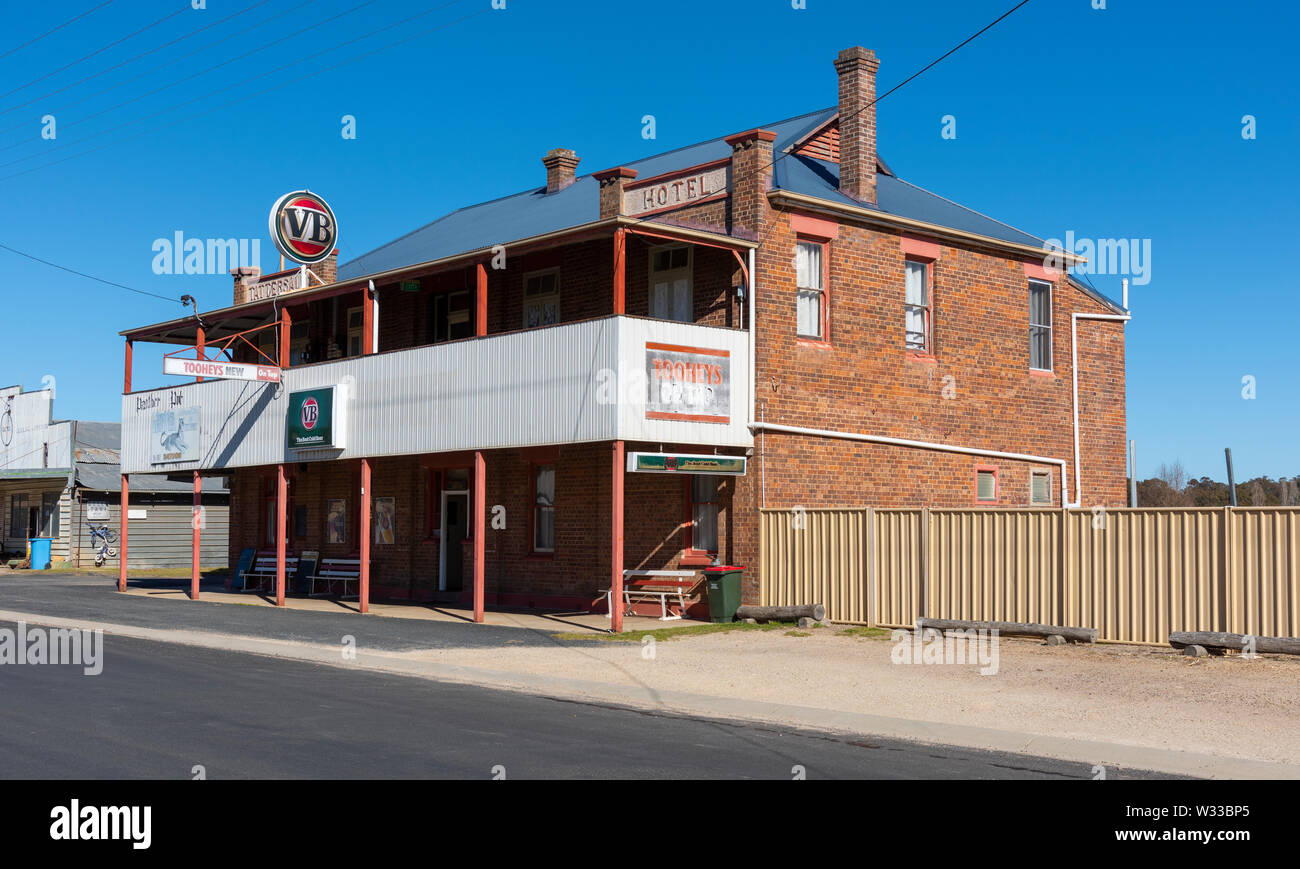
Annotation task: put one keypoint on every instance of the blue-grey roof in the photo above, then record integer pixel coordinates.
(893, 196)
(534, 212)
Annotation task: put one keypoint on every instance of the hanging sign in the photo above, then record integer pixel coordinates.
(221, 370)
(677, 463)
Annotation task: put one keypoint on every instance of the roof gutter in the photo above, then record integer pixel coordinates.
(871, 215)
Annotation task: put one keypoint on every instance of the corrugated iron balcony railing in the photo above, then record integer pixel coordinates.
(577, 382)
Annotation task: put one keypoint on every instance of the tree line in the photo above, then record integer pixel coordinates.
(1172, 486)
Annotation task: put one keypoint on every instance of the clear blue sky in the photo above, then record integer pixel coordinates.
(1117, 123)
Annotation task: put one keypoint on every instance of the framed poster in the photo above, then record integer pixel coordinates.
(385, 520)
(174, 436)
(336, 520)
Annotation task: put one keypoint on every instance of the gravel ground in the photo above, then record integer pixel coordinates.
(1133, 695)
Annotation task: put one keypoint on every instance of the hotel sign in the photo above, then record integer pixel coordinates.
(316, 419)
(670, 463)
(676, 191)
(220, 370)
(690, 384)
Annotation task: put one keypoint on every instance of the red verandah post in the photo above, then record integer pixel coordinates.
(479, 531)
(196, 525)
(363, 576)
(616, 542)
(124, 512)
(281, 530)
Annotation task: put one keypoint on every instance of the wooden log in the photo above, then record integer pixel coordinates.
(814, 611)
(1214, 640)
(1013, 629)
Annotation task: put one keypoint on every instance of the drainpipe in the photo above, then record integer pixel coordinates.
(753, 326)
(374, 318)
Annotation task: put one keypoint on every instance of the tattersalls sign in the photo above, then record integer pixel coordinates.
(691, 384)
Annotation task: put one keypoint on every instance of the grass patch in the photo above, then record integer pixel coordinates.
(663, 634)
(866, 633)
(797, 634)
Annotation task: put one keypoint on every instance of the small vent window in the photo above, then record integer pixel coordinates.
(986, 485)
(1040, 487)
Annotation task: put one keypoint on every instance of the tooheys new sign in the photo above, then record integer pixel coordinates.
(303, 227)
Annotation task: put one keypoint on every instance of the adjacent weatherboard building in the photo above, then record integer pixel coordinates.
(521, 400)
(59, 477)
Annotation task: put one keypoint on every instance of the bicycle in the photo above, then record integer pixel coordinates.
(103, 548)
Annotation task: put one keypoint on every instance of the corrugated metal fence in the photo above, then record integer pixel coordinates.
(1134, 574)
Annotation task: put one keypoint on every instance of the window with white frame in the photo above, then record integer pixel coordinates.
(1040, 487)
(541, 298)
(917, 306)
(1040, 325)
(810, 274)
(671, 291)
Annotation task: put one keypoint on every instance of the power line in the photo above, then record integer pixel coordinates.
(55, 30)
(87, 57)
(261, 75)
(161, 66)
(84, 275)
(137, 57)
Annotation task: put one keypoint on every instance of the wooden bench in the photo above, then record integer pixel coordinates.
(264, 568)
(650, 585)
(332, 570)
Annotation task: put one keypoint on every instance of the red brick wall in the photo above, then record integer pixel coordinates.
(656, 507)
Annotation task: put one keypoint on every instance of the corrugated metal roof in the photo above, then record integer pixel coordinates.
(535, 212)
(108, 478)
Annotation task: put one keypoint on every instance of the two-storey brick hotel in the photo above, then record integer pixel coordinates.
(525, 397)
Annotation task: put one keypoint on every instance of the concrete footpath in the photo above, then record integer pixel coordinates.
(1105, 706)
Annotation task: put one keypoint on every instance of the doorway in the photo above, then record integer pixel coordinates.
(455, 528)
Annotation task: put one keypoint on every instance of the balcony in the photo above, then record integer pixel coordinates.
(609, 378)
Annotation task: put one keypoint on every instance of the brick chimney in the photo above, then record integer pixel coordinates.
(560, 164)
(245, 276)
(612, 184)
(327, 269)
(751, 176)
(856, 68)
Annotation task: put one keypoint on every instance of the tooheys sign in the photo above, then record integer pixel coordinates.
(303, 227)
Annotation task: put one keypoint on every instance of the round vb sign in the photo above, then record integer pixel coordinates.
(303, 227)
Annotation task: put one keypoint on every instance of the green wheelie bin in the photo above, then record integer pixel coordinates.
(724, 591)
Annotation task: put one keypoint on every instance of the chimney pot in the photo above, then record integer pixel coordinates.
(560, 164)
(856, 68)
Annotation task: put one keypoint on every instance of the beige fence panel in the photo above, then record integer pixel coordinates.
(1134, 574)
(898, 566)
(816, 556)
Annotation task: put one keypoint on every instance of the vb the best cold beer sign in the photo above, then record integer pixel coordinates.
(316, 419)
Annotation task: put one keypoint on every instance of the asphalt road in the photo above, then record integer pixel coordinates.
(157, 710)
